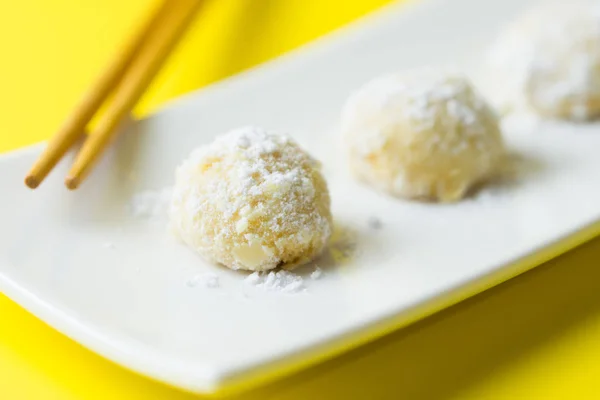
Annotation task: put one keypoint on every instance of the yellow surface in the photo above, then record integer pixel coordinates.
(536, 336)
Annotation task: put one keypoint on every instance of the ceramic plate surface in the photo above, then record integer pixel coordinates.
(121, 286)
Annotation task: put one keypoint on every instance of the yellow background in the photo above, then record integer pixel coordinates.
(537, 336)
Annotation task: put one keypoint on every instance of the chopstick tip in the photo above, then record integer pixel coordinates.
(32, 181)
(72, 182)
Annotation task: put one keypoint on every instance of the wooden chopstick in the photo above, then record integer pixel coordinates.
(136, 79)
(74, 126)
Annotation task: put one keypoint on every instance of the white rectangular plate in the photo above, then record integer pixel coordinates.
(82, 263)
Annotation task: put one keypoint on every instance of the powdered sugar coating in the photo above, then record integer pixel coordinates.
(549, 60)
(421, 134)
(252, 200)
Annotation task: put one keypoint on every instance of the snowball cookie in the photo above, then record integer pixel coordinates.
(421, 134)
(548, 60)
(252, 200)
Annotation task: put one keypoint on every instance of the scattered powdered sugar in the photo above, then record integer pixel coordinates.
(276, 281)
(316, 274)
(206, 280)
(151, 204)
(271, 281)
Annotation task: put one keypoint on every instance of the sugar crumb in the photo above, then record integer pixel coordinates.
(206, 280)
(374, 223)
(316, 274)
(253, 278)
(279, 281)
(150, 204)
